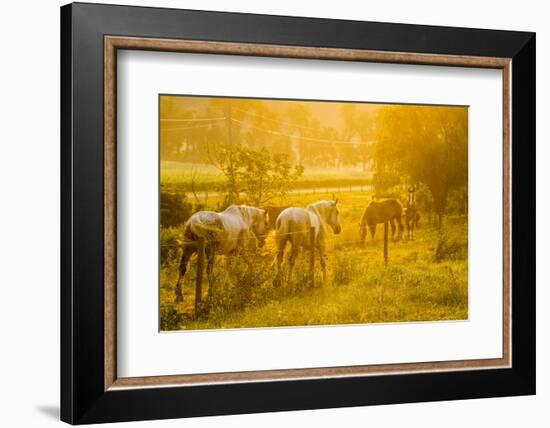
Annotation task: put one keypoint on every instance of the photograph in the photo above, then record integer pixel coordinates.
(289, 213)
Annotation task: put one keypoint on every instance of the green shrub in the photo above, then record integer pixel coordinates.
(170, 248)
(450, 248)
(457, 201)
(345, 268)
(170, 319)
(174, 209)
(384, 181)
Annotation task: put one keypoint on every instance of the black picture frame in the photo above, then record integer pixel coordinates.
(83, 398)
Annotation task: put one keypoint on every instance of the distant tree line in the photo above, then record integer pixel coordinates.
(295, 132)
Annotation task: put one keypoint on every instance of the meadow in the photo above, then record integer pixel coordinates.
(426, 279)
(178, 177)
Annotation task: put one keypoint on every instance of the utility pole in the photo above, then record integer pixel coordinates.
(229, 121)
(233, 195)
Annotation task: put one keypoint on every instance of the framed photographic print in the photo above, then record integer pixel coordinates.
(265, 213)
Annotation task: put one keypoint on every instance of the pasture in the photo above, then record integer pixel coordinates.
(425, 279)
(178, 177)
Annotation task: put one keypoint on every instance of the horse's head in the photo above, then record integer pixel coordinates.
(333, 217)
(260, 225)
(329, 213)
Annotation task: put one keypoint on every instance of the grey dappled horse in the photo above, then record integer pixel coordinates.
(232, 231)
(294, 225)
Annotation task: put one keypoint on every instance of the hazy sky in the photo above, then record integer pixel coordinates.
(329, 114)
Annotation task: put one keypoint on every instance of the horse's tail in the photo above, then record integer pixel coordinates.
(279, 227)
(282, 230)
(208, 231)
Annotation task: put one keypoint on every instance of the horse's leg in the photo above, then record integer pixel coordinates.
(281, 244)
(322, 260)
(372, 228)
(187, 253)
(292, 259)
(392, 221)
(210, 256)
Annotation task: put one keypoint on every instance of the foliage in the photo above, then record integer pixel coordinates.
(384, 181)
(451, 246)
(170, 318)
(174, 209)
(428, 144)
(264, 176)
(359, 123)
(170, 238)
(424, 199)
(346, 267)
(254, 176)
(458, 201)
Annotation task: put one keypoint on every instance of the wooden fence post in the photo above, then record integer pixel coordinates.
(386, 243)
(312, 255)
(200, 269)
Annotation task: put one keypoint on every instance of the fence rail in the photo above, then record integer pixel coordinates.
(308, 191)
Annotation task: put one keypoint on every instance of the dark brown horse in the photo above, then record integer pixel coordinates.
(272, 212)
(381, 212)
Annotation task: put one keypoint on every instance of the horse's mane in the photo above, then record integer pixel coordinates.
(321, 208)
(246, 211)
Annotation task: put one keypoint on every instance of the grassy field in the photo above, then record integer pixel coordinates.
(177, 177)
(425, 280)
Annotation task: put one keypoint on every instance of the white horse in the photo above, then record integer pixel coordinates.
(232, 231)
(294, 224)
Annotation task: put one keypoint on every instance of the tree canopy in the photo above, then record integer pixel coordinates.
(428, 144)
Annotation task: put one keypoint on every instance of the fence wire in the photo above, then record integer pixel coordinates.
(332, 239)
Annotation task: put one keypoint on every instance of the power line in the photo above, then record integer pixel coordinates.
(202, 119)
(269, 131)
(183, 128)
(321, 140)
(278, 121)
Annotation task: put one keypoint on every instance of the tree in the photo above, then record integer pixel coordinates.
(254, 176)
(263, 176)
(359, 124)
(428, 144)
